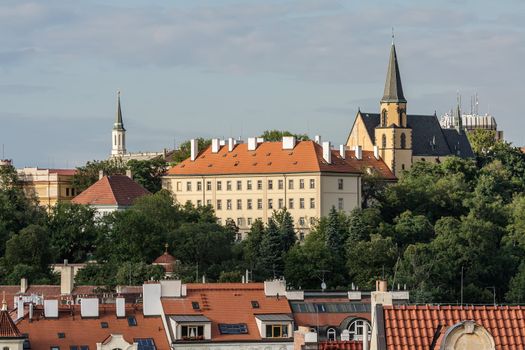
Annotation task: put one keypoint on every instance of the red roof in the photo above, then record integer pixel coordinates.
(165, 258)
(414, 327)
(270, 157)
(111, 190)
(43, 333)
(227, 303)
(341, 345)
(67, 172)
(8, 328)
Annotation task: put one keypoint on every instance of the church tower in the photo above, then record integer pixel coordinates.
(118, 135)
(393, 136)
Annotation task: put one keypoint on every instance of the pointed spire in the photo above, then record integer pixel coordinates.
(393, 87)
(4, 303)
(458, 122)
(8, 328)
(119, 124)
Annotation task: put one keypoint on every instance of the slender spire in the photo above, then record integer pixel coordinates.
(393, 87)
(4, 302)
(458, 122)
(119, 125)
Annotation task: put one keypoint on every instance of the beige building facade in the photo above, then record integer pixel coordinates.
(50, 186)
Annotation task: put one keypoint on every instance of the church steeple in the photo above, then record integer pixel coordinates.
(393, 87)
(118, 134)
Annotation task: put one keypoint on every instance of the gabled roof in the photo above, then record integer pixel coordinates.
(393, 87)
(227, 303)
(117, 190)
(428, 138)
(8, 328)
(415, 327)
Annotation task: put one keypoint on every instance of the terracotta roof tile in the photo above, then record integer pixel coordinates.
(165, 258)
(111, 190)
(269, 158)
(413, 327)
(67, 172)
(8, 328)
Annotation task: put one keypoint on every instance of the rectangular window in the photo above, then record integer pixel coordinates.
(132, 321)
(228, 185)
(249, 184)
(259, 203)
(281, 203)
(144, 343)
(259, 185)
(301, 184)
(280, 184)
(290, 203)
(276, 331)
(219, 204)
(249, 204)
(237, 328)
(239, 204)
(301, 203)
(240, 222)
(312, 203)
(192, 332)
(239, 185)
(340, 204)
(340, 184)
(208, 185)
(73, 192)
(208, 201)
(199, 186)
(199, 203)
(67, 192)
(270, 184)
(312, 183)
(179, 186)
(290, 184)
(301, 221)
(250, 221)
(270, 203)
(188, 186)
(195, 305)
(219, 186)
(228, 204)
(312, 221)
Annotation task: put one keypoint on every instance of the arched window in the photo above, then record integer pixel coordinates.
(383, 141)
(383, 118)
(330, 334)
(403, 140)
(402, 117)
(356, 329)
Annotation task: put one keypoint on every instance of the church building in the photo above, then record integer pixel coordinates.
(402, 139)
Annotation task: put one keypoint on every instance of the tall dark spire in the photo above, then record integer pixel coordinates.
(393, 87)
(119, 125)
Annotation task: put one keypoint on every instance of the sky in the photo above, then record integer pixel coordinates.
(224, 68)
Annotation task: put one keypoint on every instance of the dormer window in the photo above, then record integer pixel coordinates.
(277, 331)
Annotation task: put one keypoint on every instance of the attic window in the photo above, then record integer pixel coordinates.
(235, 328)
(132, 321)
(210, 165)
(295, 163)
(268, 154)
(61, 335)
(254, 164)
(195, 305)
(269, 163)
(236, 163)
(104, 325)
(145, 343)
(55, 348)
(255, 304)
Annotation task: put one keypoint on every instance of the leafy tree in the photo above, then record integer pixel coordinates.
(132, 274)
(148, 173)
(277, 135)
(482, 140)
(409, 228)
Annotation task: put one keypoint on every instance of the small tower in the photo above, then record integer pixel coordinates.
(118, 134)
(10, 336)
(393, 136)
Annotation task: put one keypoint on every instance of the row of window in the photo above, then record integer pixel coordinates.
(250, 204)
(70, 192)
(196, 332)
(403, 141)
(249, 185)
(242, 222)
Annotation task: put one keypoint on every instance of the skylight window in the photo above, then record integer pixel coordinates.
(235, 328)
(132, 321)
(195, 305)
(104, 325)
(145, 344)
(255, 304)
(61, 335)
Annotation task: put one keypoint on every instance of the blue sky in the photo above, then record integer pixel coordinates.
(221, 68)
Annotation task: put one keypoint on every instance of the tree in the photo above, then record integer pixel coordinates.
(271, 260)
(148, 173)
(88, 174)
(132, 274)
(481, 140)
(285, 225)
(252, 243)
(73, 232)
(277, 135)
(336, 233)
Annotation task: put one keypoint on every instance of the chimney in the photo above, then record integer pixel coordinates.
(231, 144)
(381, 297)
(366, 344)
(327, 152)
(51, 308)
(376, 152)
(222, 143)
(358, 152)
(260, 139)
(120, 306)
(23, 285)
(20, 308)
(89, 307)
(318, 139)
(342, 151)
(151, 294)
(288, 142)
(381, 286)
(67, 278)
(129, 174)
(215, 146)
(100, 174)
(30, 311)
(252, 143)
(194, 149)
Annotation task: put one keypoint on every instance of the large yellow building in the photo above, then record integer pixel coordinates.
(400, 138)
(246, 182)
(48, 185)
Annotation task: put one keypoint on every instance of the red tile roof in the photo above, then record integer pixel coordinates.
(414, 327)
(341, 345)
(111, 190)
(269, 158)
(227, 303)
(66, 172)
(165, 258)
(321, 319)
(8, 328)
(43, 333)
